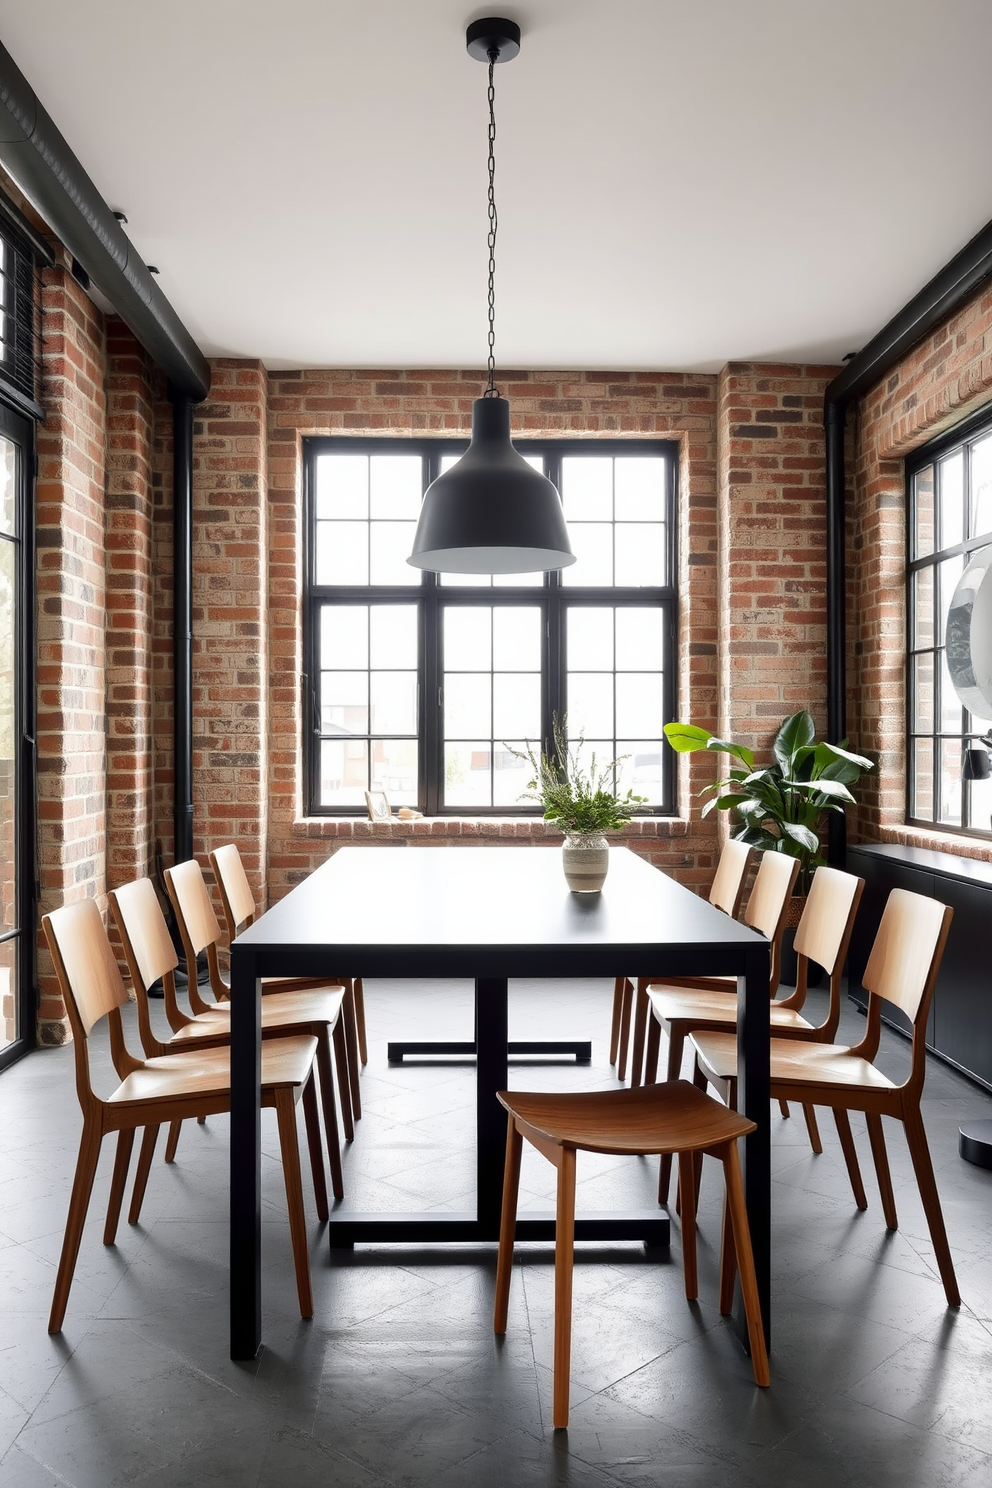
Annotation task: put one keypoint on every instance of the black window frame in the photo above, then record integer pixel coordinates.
(432, 597)
(965, 434)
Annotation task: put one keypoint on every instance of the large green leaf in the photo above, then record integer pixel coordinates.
(725, 746)
(794, 733)
(802, 835)
(685, 738)
(845, 754)
(824, 787)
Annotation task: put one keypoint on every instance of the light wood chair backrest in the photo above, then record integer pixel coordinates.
(150, 955)
(727, 887)
(767, 904)
(902, 969)
(91, 985)
(235, 890)
(824, 927)
(199, 928)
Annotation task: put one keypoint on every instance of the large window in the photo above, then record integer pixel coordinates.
(950, 518)
(424, 685)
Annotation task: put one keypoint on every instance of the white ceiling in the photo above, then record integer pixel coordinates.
(679, 184)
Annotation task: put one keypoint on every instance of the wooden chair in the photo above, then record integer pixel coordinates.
(318, 1008)
(239, 909)
(901, 970)
(154, 1091)
(822, 936)
(151, 957)
(726, 892)
(659, 1119)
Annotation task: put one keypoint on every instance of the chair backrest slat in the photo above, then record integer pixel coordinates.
(770, 893)
(902, 957)
(144, 930)
(824, 927)
(85, 962)
(191, 901)
(728, 880)
(239, 902)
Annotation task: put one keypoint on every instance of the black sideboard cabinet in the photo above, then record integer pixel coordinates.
(959, 1029)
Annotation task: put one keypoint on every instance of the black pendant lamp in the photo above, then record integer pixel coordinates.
(491, 512)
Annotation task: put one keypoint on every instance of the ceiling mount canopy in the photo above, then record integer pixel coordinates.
(492, 512)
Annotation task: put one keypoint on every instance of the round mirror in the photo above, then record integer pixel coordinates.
(968, 636)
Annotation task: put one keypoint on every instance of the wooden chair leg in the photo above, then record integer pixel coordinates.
(728, 1262)
(676, 1045)
(618, 990)
(330, 1116)
(784, 1108)
(564, 1260)
(881, 1159)
(849, 1150)
(79, 1201)
(344, 1080)
(687, 1211)
(814, 1131)
(353, 1047)
(122, 1158)
(626, 1009)
(172, 1141)
(920, 1153)
(745, 1264)
(358, 992)
(290, 1148)
(652, 1049)
(147, 1151)
(507, 1225)
(640, 1015)
(316, 1149)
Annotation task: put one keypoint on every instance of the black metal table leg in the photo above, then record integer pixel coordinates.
(246, 1157)
(490, 1118)
(753, 1094)
(579, 1049)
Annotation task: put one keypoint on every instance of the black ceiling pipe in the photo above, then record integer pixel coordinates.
(946, 291)
(182, 623)
(41, 162)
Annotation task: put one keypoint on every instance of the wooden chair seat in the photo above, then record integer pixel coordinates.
(164, 1089)
(239, 909)
(282, 1012)
(700, 1010)
(901, 970)
(657, 1119)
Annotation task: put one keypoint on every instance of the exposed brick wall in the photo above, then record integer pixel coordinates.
(945, 378)
(72, 760)
(773, 532)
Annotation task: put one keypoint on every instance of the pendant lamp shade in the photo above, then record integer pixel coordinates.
(491, 512)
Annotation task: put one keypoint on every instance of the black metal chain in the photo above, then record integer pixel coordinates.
(490, 388)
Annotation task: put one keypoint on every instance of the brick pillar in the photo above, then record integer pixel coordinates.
(71, 616)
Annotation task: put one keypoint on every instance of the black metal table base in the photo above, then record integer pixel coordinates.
(344, 1230)
(580, 1049)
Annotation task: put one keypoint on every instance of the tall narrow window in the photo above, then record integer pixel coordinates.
(950, 518)
(428, 686)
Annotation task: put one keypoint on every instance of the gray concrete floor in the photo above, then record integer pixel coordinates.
(398, 1379)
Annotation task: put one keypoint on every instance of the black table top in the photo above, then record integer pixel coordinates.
(501, 911)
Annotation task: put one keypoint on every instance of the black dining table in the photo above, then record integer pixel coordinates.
(487, 913)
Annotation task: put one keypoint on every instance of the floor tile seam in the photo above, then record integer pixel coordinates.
(68, 1482)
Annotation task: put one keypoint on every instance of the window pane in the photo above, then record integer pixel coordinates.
(949, 804)
(948, 574)
(951, 497)
(589, 638)
(344, 703)
(640, 714)
(8, 992)
(9, 670)
(394, 702)
(391, 544)
(511, 776)
(394, 770)
(923, 508)
(516, 705)
(640, 771)
(393, 636)
(923, 692)
(467, 705)
(980, 807)
(592, 544)
(344, 638)
(518, 581)
(395, 483)
(468, 774)
(981, 488)
(344, 766)
(468, 638)
(640, 489)
(951, 716)
(342, 486)
(640, 554)
(590, 704)
(640, 640)
(342, 555)
(8, 488)
(466, 581)
(923, 780)
(923, 607)
(517, 640)
(587, 488)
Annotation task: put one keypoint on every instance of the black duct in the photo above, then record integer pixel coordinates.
(946, 291)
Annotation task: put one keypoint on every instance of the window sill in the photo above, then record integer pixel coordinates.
(471, 829)
(945, 842)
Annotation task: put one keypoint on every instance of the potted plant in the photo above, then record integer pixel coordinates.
(780, 806)
(582, 802)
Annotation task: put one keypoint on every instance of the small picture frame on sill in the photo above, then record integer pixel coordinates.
(378, 805)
